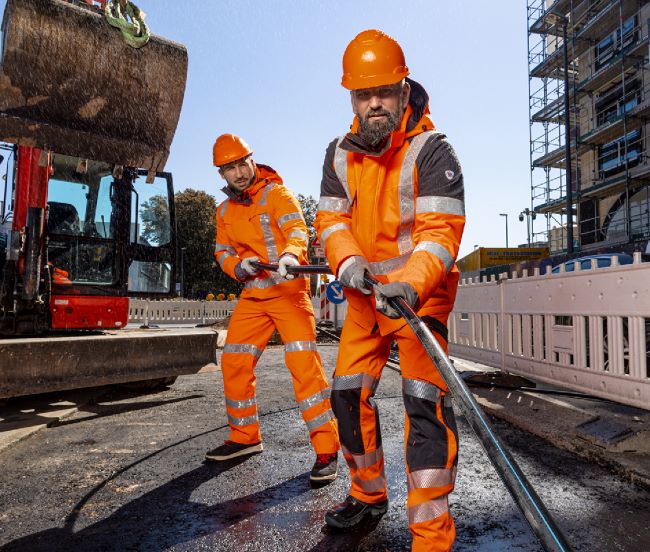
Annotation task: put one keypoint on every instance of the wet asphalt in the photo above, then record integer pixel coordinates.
(128, 473)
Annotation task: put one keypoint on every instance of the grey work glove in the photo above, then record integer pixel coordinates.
(287, 260)
(351, 273)
(244, 269)
(396, 289)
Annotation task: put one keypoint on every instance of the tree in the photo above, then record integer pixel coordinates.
(309, 207)
(154, 214)
(196, 229)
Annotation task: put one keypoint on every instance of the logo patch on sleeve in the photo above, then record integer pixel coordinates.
(450, 174)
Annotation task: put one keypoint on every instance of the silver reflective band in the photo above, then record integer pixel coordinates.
(420, 389)
(341, 167)
(318, 421)
(363, 461)
(437, 250)
(296, 346)
(336, 204)
(265, 192)
(223, 256)
(248, 420)
(224, 247)
(440, 204)
(242, 348)
(240, 404)
(354, 381)
(334, 228)
(289, 217)
(389, 265)
(298, 234)
(262, 283)
(374, 485)
(431, 478)
(269, 240)
(222, 209)
(429, 510)
(314, 399)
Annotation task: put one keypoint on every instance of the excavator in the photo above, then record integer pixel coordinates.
(91, 124)
(89, 104)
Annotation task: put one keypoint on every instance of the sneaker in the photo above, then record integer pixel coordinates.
(352, 511)
(325, 467)
(231, 449)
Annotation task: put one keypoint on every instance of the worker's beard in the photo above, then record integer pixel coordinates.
(374, 133)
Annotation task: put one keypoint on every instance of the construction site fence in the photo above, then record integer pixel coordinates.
(587, 330)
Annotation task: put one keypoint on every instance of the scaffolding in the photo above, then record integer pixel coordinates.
(604, 59)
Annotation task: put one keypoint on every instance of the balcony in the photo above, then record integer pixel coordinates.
(612, 71)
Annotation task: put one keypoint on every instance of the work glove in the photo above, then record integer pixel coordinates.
(351, 273)
(286, 261)
(244, 269)
(396, 289)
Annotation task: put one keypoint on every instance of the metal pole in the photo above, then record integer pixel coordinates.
(567, 144)
(505, 215)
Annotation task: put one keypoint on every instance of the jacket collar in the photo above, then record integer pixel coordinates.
(263, 175)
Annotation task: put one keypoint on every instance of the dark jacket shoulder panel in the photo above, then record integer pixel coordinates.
(330, 184)
(438, 169)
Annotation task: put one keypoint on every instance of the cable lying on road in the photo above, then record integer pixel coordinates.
(532, 507)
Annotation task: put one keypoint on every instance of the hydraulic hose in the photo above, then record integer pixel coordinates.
(528, 501)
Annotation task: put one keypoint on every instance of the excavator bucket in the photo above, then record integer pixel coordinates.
(70, 83)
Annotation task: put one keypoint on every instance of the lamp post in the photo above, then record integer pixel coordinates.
(505, 215)
(530, 217)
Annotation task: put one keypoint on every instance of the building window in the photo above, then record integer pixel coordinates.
(612, 156)
(613, 44)
(612, 104)
(639, 217)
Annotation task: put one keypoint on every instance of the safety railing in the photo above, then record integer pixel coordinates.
(146, 312)
(587, 330)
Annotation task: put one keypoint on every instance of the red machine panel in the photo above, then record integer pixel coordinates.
(88, 312)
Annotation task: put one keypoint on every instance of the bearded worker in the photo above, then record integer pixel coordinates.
(261, 221)
(392, 205)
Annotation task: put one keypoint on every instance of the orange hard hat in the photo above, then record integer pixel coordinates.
(228, 148)
(373, 59)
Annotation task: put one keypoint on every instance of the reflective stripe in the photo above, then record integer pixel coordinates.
(265, 192)
(246, 348)
(389, 265)
(248, 420)
(429, 510)
(315, 399)
(341, 167)
(222, 209)
(288, 217)
(240, 404)
(336, 204)
(262, 283)
(374, 485)
(223, 256)
(437, 250)
(334, 228)
(224, 247)
(431, 478)
(269, 240)
(363, 461)
(298, 234)
(354, 381)
(440, 204)
(420, 389)
(296, 346)
(318, 421)
(407, 192)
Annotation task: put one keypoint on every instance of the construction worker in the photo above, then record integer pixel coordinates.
(261, 221)
(392, 205)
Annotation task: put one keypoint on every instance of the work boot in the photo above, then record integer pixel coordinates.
(352, 511)
(325, 468)
(230, 449)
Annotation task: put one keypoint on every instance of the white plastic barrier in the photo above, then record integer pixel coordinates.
(142, 311)
(588, 330)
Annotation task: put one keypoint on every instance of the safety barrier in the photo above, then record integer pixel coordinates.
(143, 311)
(587, 330)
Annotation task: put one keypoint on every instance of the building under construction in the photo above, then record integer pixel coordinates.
(589, 82)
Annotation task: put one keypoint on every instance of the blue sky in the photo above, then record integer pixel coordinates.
(270, 72)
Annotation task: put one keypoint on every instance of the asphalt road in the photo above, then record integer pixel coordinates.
(127, 473)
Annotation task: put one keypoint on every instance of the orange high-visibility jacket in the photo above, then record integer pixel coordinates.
(267, 223)
(401, 208)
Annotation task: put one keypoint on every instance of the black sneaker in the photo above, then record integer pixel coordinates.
(231, 449)
(352, 511)
(325, 467)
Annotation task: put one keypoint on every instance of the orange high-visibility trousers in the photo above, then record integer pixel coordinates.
(251, 326)
(430, 436)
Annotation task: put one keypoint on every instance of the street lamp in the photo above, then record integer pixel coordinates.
(505, 215)
(530, 217)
